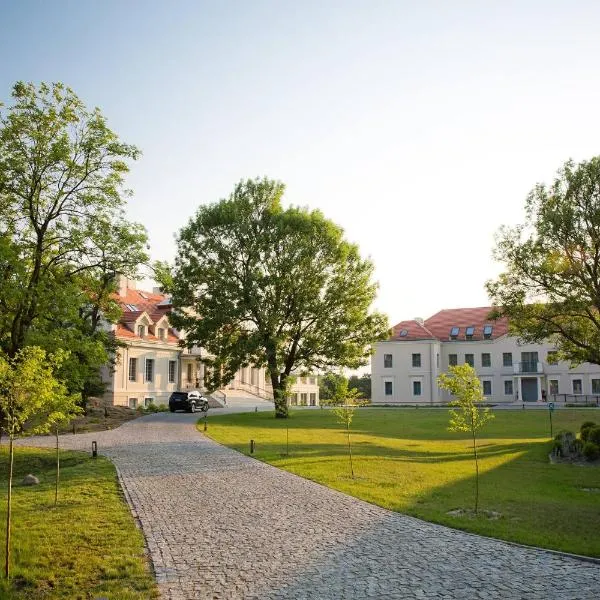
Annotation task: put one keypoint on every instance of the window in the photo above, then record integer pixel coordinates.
(132, 369)
(149, 369)
(553, 387)
(141, 330)
(133, 403)
(313, 399)
(416, 360)
(387, 361)
(508, 388)
(507, 359)
(552, 357)
(131, 307)
(403, 333)
(294, 399)
(161, 333)
(189, 372)
(172, 370)
(389, 388)
(454, 333)
(470, 359)
(486, 359)
(487, 332)
(487, 387)
(469, 331)
(577, 387)
(452, 360)
(148, 401)
(303, 399)
(416, 388)
(596, 387)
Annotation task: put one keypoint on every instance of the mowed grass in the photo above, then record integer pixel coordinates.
(407, 461)
(87, 547)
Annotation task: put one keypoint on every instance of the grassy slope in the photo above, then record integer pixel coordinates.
(86, 547)
(407, 461)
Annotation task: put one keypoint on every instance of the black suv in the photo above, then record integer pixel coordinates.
(188, 401)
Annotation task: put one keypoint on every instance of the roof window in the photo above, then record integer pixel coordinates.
(131, 307)
(469, 331)
(403, 333)
(454, 333)
(143, 295)
(487, 332)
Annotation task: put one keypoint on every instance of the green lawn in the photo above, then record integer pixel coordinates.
(85, 548)
(406, 460)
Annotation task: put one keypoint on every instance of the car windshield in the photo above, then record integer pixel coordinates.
(179, 395)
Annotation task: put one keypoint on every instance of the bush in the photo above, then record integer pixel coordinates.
(594, 435)
(557, 448)
(591, 451)
(163, 408)
(584, 430)
(151, 408)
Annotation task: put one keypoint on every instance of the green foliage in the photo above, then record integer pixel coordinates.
(462, 382)
(328, 384)
(549, 289)
(63, 234)
(256, 283)
(585, 428)
(362, 384)
(594, 435)
(591, 451)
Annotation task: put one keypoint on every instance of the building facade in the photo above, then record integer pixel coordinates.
(151, 364)
(404, 369)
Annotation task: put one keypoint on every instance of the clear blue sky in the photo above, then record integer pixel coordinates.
(418, 126)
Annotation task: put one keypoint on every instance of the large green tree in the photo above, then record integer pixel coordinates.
(257, 283)
(550, 288)
(64, 238)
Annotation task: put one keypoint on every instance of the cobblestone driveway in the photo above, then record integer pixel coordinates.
(221, 525)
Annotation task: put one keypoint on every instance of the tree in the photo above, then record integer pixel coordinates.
(344, 402)
(328, 384)
(462, 382)
(550, 289)
(362, 384)
(28, 390)
(63, 235)
(255, 283)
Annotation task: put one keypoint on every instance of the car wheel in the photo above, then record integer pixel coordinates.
(193, 407)
(205, 407)
(171, 409)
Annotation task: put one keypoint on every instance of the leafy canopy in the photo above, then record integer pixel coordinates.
(550, 288)
(462, 382)
(258, 283)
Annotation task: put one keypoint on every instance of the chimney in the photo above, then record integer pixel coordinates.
(124, 285)
(156, 290)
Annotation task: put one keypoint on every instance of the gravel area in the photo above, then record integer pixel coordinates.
(221, 525)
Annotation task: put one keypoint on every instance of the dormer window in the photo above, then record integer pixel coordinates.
(487, 332)
(454, 333)
(141, 330)
(469, 331)
(161, 333)
(403, 333)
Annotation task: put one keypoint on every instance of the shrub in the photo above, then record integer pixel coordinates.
(151, 408)
(577, 446)
(594, 435)
(557, 448)
(591, 451)
(584, 430)
(162, 408)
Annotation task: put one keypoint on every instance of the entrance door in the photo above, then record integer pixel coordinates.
(529, 387)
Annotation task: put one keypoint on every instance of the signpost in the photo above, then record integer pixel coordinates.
(550, 410)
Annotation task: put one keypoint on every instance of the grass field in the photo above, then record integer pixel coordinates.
(407, 461)
(87, 547)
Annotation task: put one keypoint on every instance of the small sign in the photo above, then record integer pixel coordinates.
(550, 405)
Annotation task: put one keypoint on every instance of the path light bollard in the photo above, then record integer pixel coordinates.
(205, 420)
(94, 449)
(256, 409)
(252, 446)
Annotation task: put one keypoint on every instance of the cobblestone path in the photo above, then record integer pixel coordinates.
(221, 525)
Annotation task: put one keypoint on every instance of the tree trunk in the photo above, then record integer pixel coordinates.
(279, 397)
(349, 449)
(476, 472)
(57, 469)
(8, 507)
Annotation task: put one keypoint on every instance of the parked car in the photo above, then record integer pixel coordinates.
(188, 401)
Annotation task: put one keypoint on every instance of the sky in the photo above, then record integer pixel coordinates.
(419, 127)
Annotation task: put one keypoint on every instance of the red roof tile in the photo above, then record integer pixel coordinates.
(439, 325)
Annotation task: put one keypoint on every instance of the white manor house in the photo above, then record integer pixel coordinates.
(151, 365)
(404, 368)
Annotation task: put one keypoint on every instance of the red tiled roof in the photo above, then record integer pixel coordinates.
(144, 302)
(414, 331)
(439, 325)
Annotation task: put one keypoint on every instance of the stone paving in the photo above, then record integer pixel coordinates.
(220, 525)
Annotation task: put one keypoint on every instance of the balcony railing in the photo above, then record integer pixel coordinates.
(531, 366)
